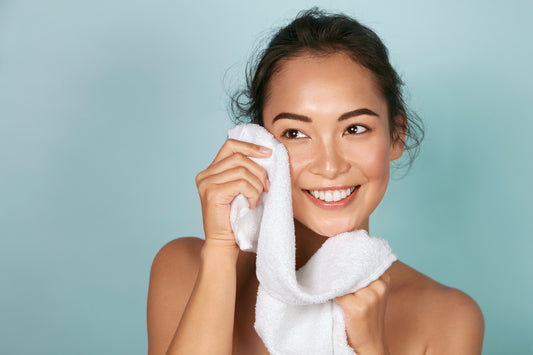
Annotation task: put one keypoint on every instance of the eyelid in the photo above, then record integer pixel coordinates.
(366, 129)
(284, 134)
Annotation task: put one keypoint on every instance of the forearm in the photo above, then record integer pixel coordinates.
(206, 326)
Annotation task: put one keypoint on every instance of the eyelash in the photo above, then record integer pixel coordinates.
(365, 129)
(286, 133)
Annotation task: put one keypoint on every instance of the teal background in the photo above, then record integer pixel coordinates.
(108, 110)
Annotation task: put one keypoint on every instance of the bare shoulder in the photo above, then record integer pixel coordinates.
(458, 323)
(177, 262)
(172, 277)
(180, 251)
(453, 322)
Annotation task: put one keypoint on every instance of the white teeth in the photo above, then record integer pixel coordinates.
(332, 195)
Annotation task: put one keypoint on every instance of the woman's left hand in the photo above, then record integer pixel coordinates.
(364, 315)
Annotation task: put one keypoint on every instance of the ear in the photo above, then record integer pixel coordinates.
(398, 137)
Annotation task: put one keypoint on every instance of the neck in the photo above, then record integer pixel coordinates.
(308, 242)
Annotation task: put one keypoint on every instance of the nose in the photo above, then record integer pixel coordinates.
(329, 161)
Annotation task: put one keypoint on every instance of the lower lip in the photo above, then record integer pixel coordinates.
(333, 205)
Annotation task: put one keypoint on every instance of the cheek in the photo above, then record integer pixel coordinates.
(374, 161)
(298, 160)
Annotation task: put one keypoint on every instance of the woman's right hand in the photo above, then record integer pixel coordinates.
(230, 174)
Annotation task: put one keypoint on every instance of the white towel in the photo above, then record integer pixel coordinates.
(295, 312)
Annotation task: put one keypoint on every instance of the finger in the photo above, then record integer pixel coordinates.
(232, 146)
(236, 160)
(380, 287)
(240, 173)
(216, 206)
(235, 174)
(386, 277)
(228, 190)
(344, 300)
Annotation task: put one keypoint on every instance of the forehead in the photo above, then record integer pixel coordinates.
(322, 79)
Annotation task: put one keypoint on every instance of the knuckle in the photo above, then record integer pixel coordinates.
(372, 298)
(228, 143)
(241, 184)
(237, 157)
(264, 174)
(381, 287)
(226, 148)
(352, 304)
(201, 186)
(198, 179)
(241, 170)
(378, 284)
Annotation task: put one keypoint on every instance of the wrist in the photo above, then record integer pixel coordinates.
(220, 250)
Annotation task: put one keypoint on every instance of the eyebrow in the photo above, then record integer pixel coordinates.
(344, 116)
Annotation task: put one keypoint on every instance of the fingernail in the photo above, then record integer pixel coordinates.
(268, 184)
(264, 150)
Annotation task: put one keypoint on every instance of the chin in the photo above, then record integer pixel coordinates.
(333, 230)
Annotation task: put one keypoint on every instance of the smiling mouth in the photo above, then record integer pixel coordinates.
(332, 195)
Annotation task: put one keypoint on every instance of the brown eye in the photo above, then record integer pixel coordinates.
(293, 134)
(356, 129)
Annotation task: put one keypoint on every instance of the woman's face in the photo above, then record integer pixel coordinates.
(333, 120)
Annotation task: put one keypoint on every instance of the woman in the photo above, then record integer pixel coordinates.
(324, 87)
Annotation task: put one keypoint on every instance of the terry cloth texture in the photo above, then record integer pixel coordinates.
(295, 311)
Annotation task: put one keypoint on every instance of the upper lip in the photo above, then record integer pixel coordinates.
(333, 188)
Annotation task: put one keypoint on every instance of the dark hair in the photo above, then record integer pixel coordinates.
(317, 32)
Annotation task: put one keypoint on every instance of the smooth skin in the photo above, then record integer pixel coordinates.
(332, 118)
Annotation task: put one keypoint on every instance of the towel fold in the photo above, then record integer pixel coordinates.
(295, 312)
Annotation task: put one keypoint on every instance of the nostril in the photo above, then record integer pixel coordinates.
(328, 160)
